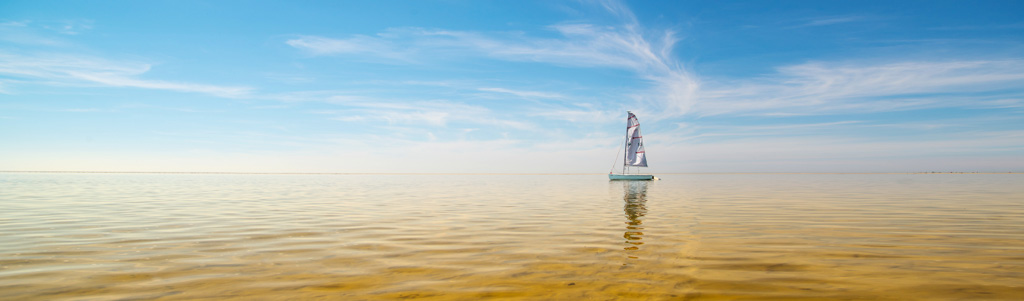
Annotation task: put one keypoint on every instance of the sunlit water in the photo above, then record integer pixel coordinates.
(459, 237)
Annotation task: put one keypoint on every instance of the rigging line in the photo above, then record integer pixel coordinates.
(614, 161)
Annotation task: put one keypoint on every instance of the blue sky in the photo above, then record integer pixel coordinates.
(511, 86)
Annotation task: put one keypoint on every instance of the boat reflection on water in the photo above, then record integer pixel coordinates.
(635, 208)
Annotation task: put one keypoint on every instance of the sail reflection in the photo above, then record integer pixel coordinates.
(635, 208)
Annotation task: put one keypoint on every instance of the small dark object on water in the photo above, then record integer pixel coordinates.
(572, 283)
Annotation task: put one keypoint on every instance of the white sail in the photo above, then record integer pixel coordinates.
(635, 151)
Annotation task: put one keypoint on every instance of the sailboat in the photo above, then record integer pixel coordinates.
(635, 155)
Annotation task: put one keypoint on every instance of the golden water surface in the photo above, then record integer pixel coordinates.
(536, 237)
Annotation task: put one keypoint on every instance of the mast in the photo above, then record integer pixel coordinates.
(625, 151)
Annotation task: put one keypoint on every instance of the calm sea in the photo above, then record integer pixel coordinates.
(537, 237)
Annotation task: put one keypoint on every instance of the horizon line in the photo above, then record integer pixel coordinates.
(470, 173)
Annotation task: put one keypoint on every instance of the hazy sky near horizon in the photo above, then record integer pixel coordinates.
(511, 86)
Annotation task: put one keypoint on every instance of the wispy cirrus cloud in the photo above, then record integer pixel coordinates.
(378, 111)
(522, 93)
(988, 151)
(69, 27)
(41, 33)
(583, 45)
(427, 119)
(1019, 25)
(14, 24)
(367, 46)
(20, 32)
(57, 69)
(793, 90)
(628, 46)
(832, 20)
(80, 110)
(815, 88)
(580, 115)
(326, 46)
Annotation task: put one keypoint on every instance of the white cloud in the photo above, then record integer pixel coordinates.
(524, 94)
(71, 27)
(953, 152)
(803, 89)
(430, 113)
(15, 24)
(375, 111)
(358, 44)
(578, 116)
(78, 110)
(623, 46)
(814, 88)
(123, 81)
(55, 69)
(823, 21)
(38, 33)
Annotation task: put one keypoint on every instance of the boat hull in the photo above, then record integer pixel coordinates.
(631, 177)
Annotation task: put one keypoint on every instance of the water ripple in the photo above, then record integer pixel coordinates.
(139, 236)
